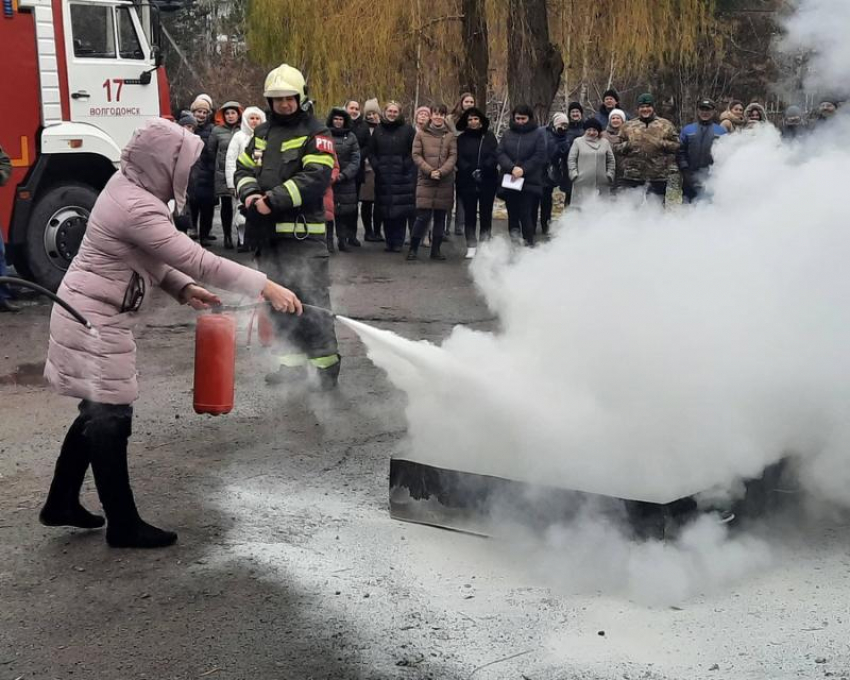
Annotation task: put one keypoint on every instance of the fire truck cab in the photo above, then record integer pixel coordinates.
(80, 76)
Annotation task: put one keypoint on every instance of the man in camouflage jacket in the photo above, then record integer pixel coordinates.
(649, 146)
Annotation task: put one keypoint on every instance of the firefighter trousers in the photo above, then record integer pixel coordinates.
(303, 267)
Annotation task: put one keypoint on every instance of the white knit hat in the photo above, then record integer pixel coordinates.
(560, 119)
(202, 101)
(618, 112)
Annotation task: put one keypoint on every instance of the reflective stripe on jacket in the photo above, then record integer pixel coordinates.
(290, 162)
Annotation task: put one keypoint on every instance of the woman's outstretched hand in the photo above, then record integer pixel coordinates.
(282, 299)
(198, 298)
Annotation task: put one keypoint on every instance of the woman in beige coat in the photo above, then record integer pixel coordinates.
(130, 245)
(435, 154)
(591, 165)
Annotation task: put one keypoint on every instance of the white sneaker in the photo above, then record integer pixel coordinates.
(470, 253)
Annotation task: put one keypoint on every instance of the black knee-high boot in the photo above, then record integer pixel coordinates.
(107, 433)
(62, 507)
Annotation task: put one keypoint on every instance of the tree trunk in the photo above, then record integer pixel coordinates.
(477, 52)
(534, 64)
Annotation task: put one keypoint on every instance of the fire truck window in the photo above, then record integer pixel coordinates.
(128, 40)
(94, 32)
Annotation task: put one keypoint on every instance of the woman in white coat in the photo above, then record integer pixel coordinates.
(591, 165)
(251, 118)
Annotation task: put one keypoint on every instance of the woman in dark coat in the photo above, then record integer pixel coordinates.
(345, 187)
(522, 160)
(228, 120)
(390, 155)
(202, 180)
(477, 175)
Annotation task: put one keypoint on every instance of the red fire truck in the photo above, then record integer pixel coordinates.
(78, 77)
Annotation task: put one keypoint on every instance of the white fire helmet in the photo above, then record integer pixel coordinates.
(285, 81)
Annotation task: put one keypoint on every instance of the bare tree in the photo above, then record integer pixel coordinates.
(476, 49)
(534, 63)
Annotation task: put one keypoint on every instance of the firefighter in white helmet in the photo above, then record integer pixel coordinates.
(281, 178)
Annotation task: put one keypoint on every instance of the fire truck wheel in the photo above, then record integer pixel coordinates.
(56, 230)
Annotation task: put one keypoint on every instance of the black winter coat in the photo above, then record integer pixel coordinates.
(390, 154)
(476, 149)
(348, 156)
(202, 177)
(524, 146)
(361, 131)
(557, 149)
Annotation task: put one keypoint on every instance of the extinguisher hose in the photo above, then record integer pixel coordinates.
(43, 291)
(218, 309)
(321, 310)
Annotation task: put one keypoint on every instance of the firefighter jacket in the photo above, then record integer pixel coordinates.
(291, 162)
(648, 149)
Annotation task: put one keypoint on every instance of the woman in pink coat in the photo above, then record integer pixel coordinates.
(130, 245)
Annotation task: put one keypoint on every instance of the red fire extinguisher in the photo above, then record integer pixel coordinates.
(215, 364)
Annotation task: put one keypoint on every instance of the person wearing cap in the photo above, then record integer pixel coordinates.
(188, 121)
(649, 146)
(575, 129)
(616, 119)
(202, 182)
(557, 148)
(694, 156)
(610, 102)
(826, 110)
(422, 117)
(370, 217)
(281, 178)
(793, 126)
(228, 121)
(591, 165)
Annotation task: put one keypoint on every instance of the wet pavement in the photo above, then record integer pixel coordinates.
(289, 566)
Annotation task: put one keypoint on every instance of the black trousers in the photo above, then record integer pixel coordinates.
(478, 203)
(303, 267)
(653, 187)
(226, 203)
(423, 219)
(371, 218)
(394, 230)
(545, 209)
(346, 226)
(202, 216)
(520, 206)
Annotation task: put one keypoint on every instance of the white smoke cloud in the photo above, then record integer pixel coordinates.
(819, 27)
(652, 354)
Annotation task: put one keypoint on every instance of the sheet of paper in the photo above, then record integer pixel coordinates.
(509, 182)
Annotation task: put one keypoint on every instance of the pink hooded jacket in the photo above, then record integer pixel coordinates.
(131, 244)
